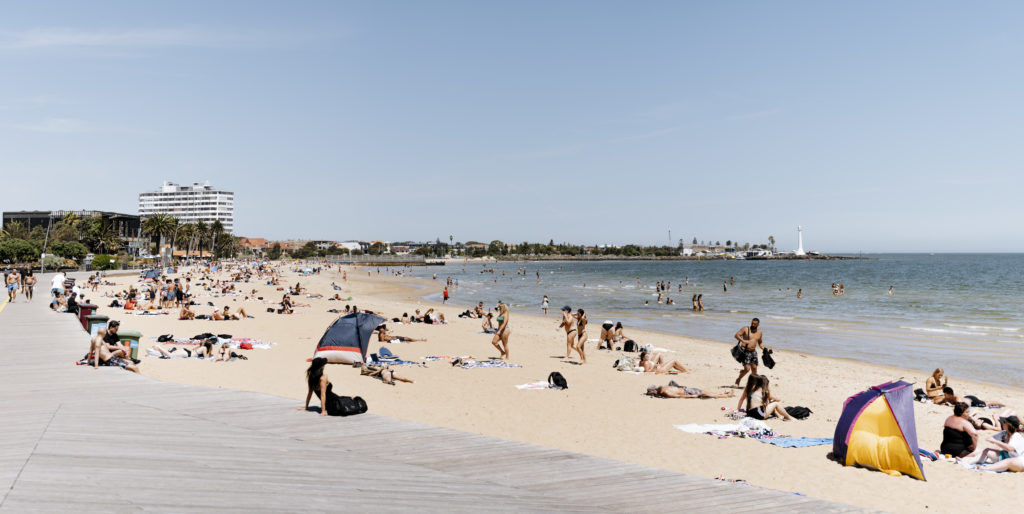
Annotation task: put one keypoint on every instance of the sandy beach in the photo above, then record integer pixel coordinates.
(604, 412)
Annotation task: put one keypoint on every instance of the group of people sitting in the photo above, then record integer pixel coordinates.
(960, 440)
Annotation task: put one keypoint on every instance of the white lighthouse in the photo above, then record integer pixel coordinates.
(799, 241)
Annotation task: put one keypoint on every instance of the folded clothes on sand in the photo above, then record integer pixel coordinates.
(747, 427)
(543, 384)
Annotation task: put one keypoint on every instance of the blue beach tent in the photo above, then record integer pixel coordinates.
(348, 338)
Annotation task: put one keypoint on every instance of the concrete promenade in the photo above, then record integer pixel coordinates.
(75, 439)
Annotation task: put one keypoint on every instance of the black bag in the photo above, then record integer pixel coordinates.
(270, 309)
(557, 381)
(224, 336)
(349, 406)
(737, 353)
(766, 358)
(975, 401)
(799, 412)
(164, 338)
(630, 346)
(919, 394)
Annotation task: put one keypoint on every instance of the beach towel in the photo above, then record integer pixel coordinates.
(469, 364)
(747, 428)
(796, 442)
(534, 385)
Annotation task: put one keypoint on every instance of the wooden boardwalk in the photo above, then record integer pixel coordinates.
(83, 440)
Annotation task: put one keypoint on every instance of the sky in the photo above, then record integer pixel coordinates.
(877, 126)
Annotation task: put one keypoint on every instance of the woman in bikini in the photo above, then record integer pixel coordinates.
(581, 333)
(658, 364)
(500, 339)
(569, 324)
(759, 400)
(200, 350)
(933, 386)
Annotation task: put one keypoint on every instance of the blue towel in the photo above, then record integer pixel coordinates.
(797, 442)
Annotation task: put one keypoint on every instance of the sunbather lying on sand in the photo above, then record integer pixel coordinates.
(674, 390)
(204, 349)
(384, 373)
(384, 337)
(658, 364)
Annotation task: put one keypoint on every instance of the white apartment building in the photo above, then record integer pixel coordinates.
(198, 202)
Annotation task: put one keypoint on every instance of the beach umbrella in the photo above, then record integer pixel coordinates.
(348, 338)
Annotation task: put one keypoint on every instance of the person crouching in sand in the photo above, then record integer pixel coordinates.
(760, 404)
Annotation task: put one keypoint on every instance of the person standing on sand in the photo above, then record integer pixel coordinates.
(569, 324)
(501, 336)
(445, 301)
(581, 333)
(749, 338)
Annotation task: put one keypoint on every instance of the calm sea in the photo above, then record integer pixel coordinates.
(961, 312)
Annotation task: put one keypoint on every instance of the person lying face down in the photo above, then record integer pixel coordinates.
(674, 390)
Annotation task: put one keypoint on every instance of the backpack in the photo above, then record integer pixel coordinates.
(630, 346)
(164, 338)
(349, 406)
(557, 381)
(799, 412)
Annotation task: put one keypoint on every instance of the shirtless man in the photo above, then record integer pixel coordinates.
(12, 285)
(110, 354)
(29, 285)
(750, 338)
(569, 324)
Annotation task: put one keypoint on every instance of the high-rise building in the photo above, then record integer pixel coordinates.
(198, 202)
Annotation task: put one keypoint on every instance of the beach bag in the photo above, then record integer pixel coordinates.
(349, 406)
(557, 381)
(919, 394)
(766, 358)
(245, 346)
(164, 338)
(630, 346)
(799, 412)
(625, 363)
(737, 352)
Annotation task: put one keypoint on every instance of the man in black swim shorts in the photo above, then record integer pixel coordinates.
(749, 338)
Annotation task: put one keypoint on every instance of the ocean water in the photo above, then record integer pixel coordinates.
(961, 312)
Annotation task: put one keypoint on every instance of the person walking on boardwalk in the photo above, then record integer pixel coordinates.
(749, 338)
(12, 285)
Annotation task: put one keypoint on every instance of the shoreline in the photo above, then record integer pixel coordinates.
(604, 412)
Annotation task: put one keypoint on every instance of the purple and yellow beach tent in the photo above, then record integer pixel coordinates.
(876, 430)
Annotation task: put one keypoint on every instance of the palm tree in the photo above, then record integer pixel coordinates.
(15, 230)
(771, 241)
(216, 229)
(159, 225)
(202, 235)
(187, 232)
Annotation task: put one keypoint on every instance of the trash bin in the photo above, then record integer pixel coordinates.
(132, 337)
(94, 322)
(85, 309)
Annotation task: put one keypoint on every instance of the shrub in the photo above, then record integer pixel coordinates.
(104, 262)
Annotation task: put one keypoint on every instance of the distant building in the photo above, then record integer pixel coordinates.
(190, 204)
(124, 225)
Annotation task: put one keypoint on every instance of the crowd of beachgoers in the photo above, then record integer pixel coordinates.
(270, 293)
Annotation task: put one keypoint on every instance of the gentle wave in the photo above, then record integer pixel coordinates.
(943, 331)
(983, 327)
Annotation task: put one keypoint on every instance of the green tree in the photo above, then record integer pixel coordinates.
(376, 249)
(104, 262)
(14, 250)
(216, 230)
(67, 228)
(160, 226)
(69, 250)
(15, 230)
(496, 248)
(202, 235)
(274, 253)
(771, 241)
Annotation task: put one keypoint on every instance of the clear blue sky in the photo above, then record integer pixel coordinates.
(878, 126)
